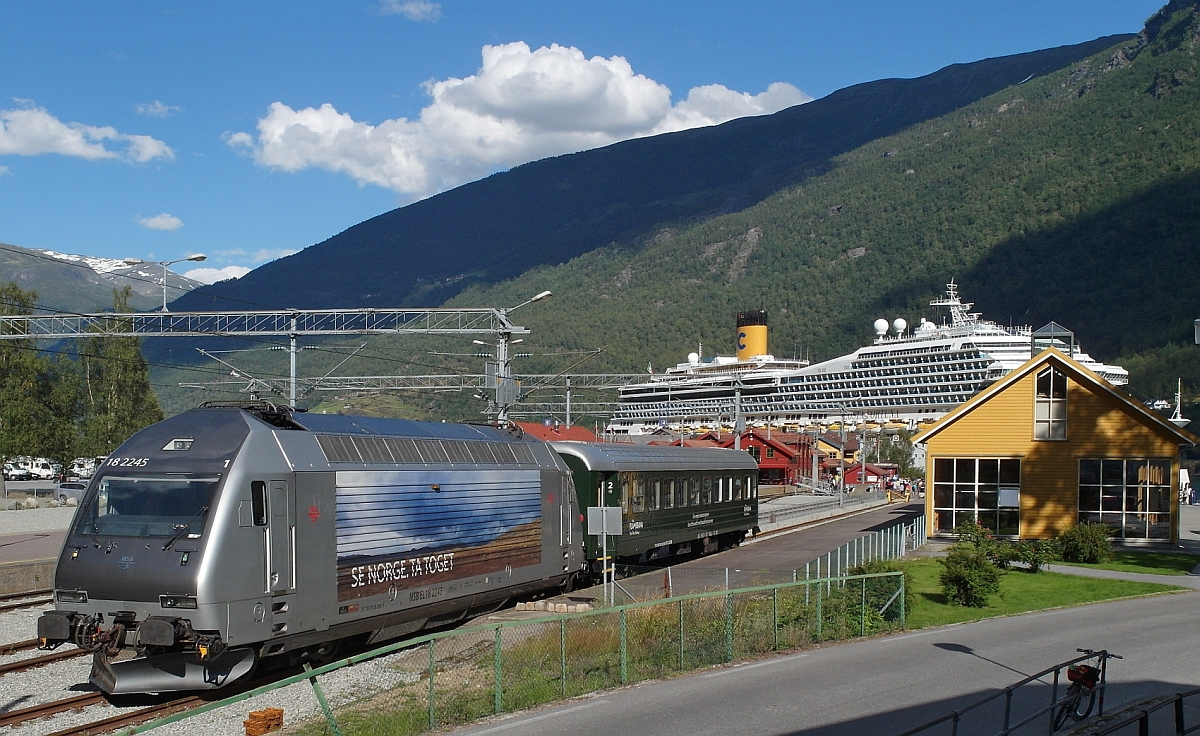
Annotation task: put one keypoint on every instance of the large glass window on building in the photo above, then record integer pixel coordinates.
(1132, 496)
(1050, 406)
(986, 490)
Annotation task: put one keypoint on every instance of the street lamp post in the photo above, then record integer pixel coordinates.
(138, 261)
(505, 388)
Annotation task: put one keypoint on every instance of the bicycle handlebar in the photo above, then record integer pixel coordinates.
(1093, 653)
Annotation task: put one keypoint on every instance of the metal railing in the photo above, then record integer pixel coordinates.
(456, 677)
(955, 718)
(1141, 717)
(644, 582)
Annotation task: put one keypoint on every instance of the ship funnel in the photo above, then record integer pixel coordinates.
(751, 334)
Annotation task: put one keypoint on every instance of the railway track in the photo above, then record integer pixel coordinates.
(15, 717)
(28, 603)
(34, 662)
(132, 718)
(17, 646)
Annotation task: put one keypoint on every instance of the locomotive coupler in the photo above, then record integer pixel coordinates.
(209, 647)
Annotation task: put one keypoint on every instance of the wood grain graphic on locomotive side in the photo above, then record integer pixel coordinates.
(413, 528)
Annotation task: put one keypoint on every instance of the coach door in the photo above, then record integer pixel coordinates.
(281, 537)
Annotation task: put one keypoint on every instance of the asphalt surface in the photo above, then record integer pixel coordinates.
(888, 685)
(32, 546)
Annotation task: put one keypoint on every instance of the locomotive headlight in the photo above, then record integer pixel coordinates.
(176, 601)
(71, 596)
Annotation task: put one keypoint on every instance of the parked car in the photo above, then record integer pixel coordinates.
(14, 472)
(67, 491)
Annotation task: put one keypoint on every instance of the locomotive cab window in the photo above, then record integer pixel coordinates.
(148, 506)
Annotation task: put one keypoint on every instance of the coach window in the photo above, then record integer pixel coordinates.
(652, 498)
(668, 493)
(639, 495)
(681, 499)
(737, 489)
(693, 491)
(706, 492)
(719, 490)
(626, 493)
(751, 486)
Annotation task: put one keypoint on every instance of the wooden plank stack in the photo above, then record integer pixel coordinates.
(263, 721)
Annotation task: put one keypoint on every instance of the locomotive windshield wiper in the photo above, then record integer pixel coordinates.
(181, 529)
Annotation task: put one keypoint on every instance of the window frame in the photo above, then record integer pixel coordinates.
(1052, 403)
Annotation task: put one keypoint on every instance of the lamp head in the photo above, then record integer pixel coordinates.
(133, 261)
(542, 296)
(197, 257)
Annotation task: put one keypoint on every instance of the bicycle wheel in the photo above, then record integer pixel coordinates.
(1069, 702)
(1083, 705)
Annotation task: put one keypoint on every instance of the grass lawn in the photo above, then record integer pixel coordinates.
(1020, 591)
(1154, 563)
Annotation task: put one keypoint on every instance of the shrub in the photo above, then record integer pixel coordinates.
(883, 588)
(968, 576)
(1086, 542)
(972, 533)
(1037, 553)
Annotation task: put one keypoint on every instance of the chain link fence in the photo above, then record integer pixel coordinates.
(457, 677)
(681, 619)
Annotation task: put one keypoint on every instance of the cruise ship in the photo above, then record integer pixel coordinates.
(908, 376)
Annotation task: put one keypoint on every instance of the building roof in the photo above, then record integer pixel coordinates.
(558, 432)
(1082, 376)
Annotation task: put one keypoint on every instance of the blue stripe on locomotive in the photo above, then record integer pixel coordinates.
(400, 512)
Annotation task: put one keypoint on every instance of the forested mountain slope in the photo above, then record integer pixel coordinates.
(550, 211)
(1074, 197)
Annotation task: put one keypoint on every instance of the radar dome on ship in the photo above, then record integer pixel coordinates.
(899, 325)
(693, 358)
(881, 327)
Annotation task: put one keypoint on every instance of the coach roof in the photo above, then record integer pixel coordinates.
(610, 457)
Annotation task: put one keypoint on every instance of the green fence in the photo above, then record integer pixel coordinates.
(459, 676)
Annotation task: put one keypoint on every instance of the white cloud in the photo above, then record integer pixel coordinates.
(520, 106)
(156, 109)
(32, 131)
(161, 222)
(213, 275)
(418, 10)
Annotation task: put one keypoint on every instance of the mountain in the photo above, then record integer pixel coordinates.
(76, 283)
(550, 211)
(1072, 197)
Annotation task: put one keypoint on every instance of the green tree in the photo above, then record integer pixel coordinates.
(115, 386)
(38, 398)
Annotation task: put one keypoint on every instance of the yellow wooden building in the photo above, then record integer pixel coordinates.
(1047, 446)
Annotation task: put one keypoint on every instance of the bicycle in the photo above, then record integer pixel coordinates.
(1081, 694)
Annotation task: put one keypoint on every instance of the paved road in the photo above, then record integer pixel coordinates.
(885, 686)
(32, 546)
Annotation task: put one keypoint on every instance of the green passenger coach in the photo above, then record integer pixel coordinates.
(673, 500)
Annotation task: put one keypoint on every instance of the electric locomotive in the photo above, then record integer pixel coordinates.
(234, 533)
(224, 535)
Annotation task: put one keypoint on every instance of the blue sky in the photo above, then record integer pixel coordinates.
(250, 130)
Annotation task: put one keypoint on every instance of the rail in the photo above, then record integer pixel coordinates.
(955, 717)
(1141, 717)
